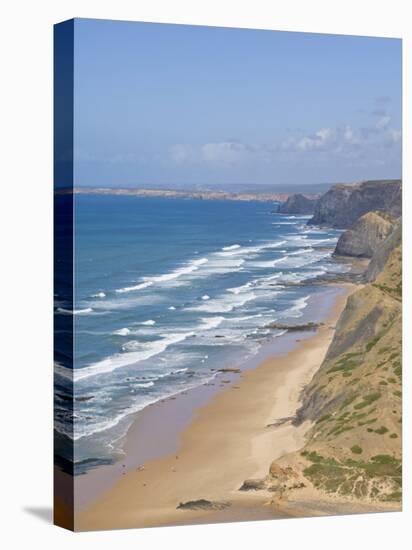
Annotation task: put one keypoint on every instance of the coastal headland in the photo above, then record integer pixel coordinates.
(176, 194)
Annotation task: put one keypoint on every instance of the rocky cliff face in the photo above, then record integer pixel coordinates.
(364, 237)
(353, 448)
(343, 205)
(298, 204)
(380, 258)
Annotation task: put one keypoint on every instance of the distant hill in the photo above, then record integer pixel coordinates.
(288, 188)
(176, 194)
(242, 188)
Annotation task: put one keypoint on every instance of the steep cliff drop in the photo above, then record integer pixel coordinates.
(344, 204)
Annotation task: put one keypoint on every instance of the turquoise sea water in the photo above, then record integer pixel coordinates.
(166, 291)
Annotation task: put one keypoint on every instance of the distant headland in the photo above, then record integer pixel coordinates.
(177, 194)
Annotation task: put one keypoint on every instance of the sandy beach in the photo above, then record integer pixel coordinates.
(233, 437)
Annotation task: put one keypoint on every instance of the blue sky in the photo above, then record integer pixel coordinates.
(180, 105)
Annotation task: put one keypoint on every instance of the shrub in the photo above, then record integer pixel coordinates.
(365, 422)
(382, 430)
(323, 418)
(368, 399)
(372, 343)
(398, 371)
(344, 365)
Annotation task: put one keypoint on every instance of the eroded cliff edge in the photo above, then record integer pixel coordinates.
(364, 237)
(344, 204)
(353, 405)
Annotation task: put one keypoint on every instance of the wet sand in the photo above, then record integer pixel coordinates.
(224, 437)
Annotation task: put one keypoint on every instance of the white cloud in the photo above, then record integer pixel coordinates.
(346, 143)
(383, 122)
(350, 136)
(393, 136)
(180, 153)
(217, 153)
(320, 140)
(227, 152)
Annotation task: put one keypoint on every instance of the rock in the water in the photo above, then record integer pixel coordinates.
(229, 369)
(364, 237)
(298, 204)
(294, 328)
(253, 485)
(344, 204)
(202, 504)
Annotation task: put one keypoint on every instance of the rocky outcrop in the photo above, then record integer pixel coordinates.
(203, 504)
(294, 328)
(344, 204)
(381, 256)
(364, 237)
(298, 204)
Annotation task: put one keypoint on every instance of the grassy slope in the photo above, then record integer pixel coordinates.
(354, 403)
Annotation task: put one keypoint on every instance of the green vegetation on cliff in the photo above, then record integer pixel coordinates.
(353, 449)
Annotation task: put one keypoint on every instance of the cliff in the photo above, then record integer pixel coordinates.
(380, 258)
(364, 237)
(353, 403)
(344, 204)
(298, 204)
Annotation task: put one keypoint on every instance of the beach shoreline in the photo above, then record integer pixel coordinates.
(229, 436)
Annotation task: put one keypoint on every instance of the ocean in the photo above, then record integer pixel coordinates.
(166, 292)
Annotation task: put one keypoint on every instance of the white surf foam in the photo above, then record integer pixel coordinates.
(247, 317)
(82, 430)
(249, 250)
(302, 251)
(266, 263)
(122, 332)
(211, 322)
(224, 303)
(297, 309)
(232, 247)
(63, 371)
(138, 352)
(192, 266)
(301, 259)
(143, 385)
(139, 286)
(64, 311)
(239, 289)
